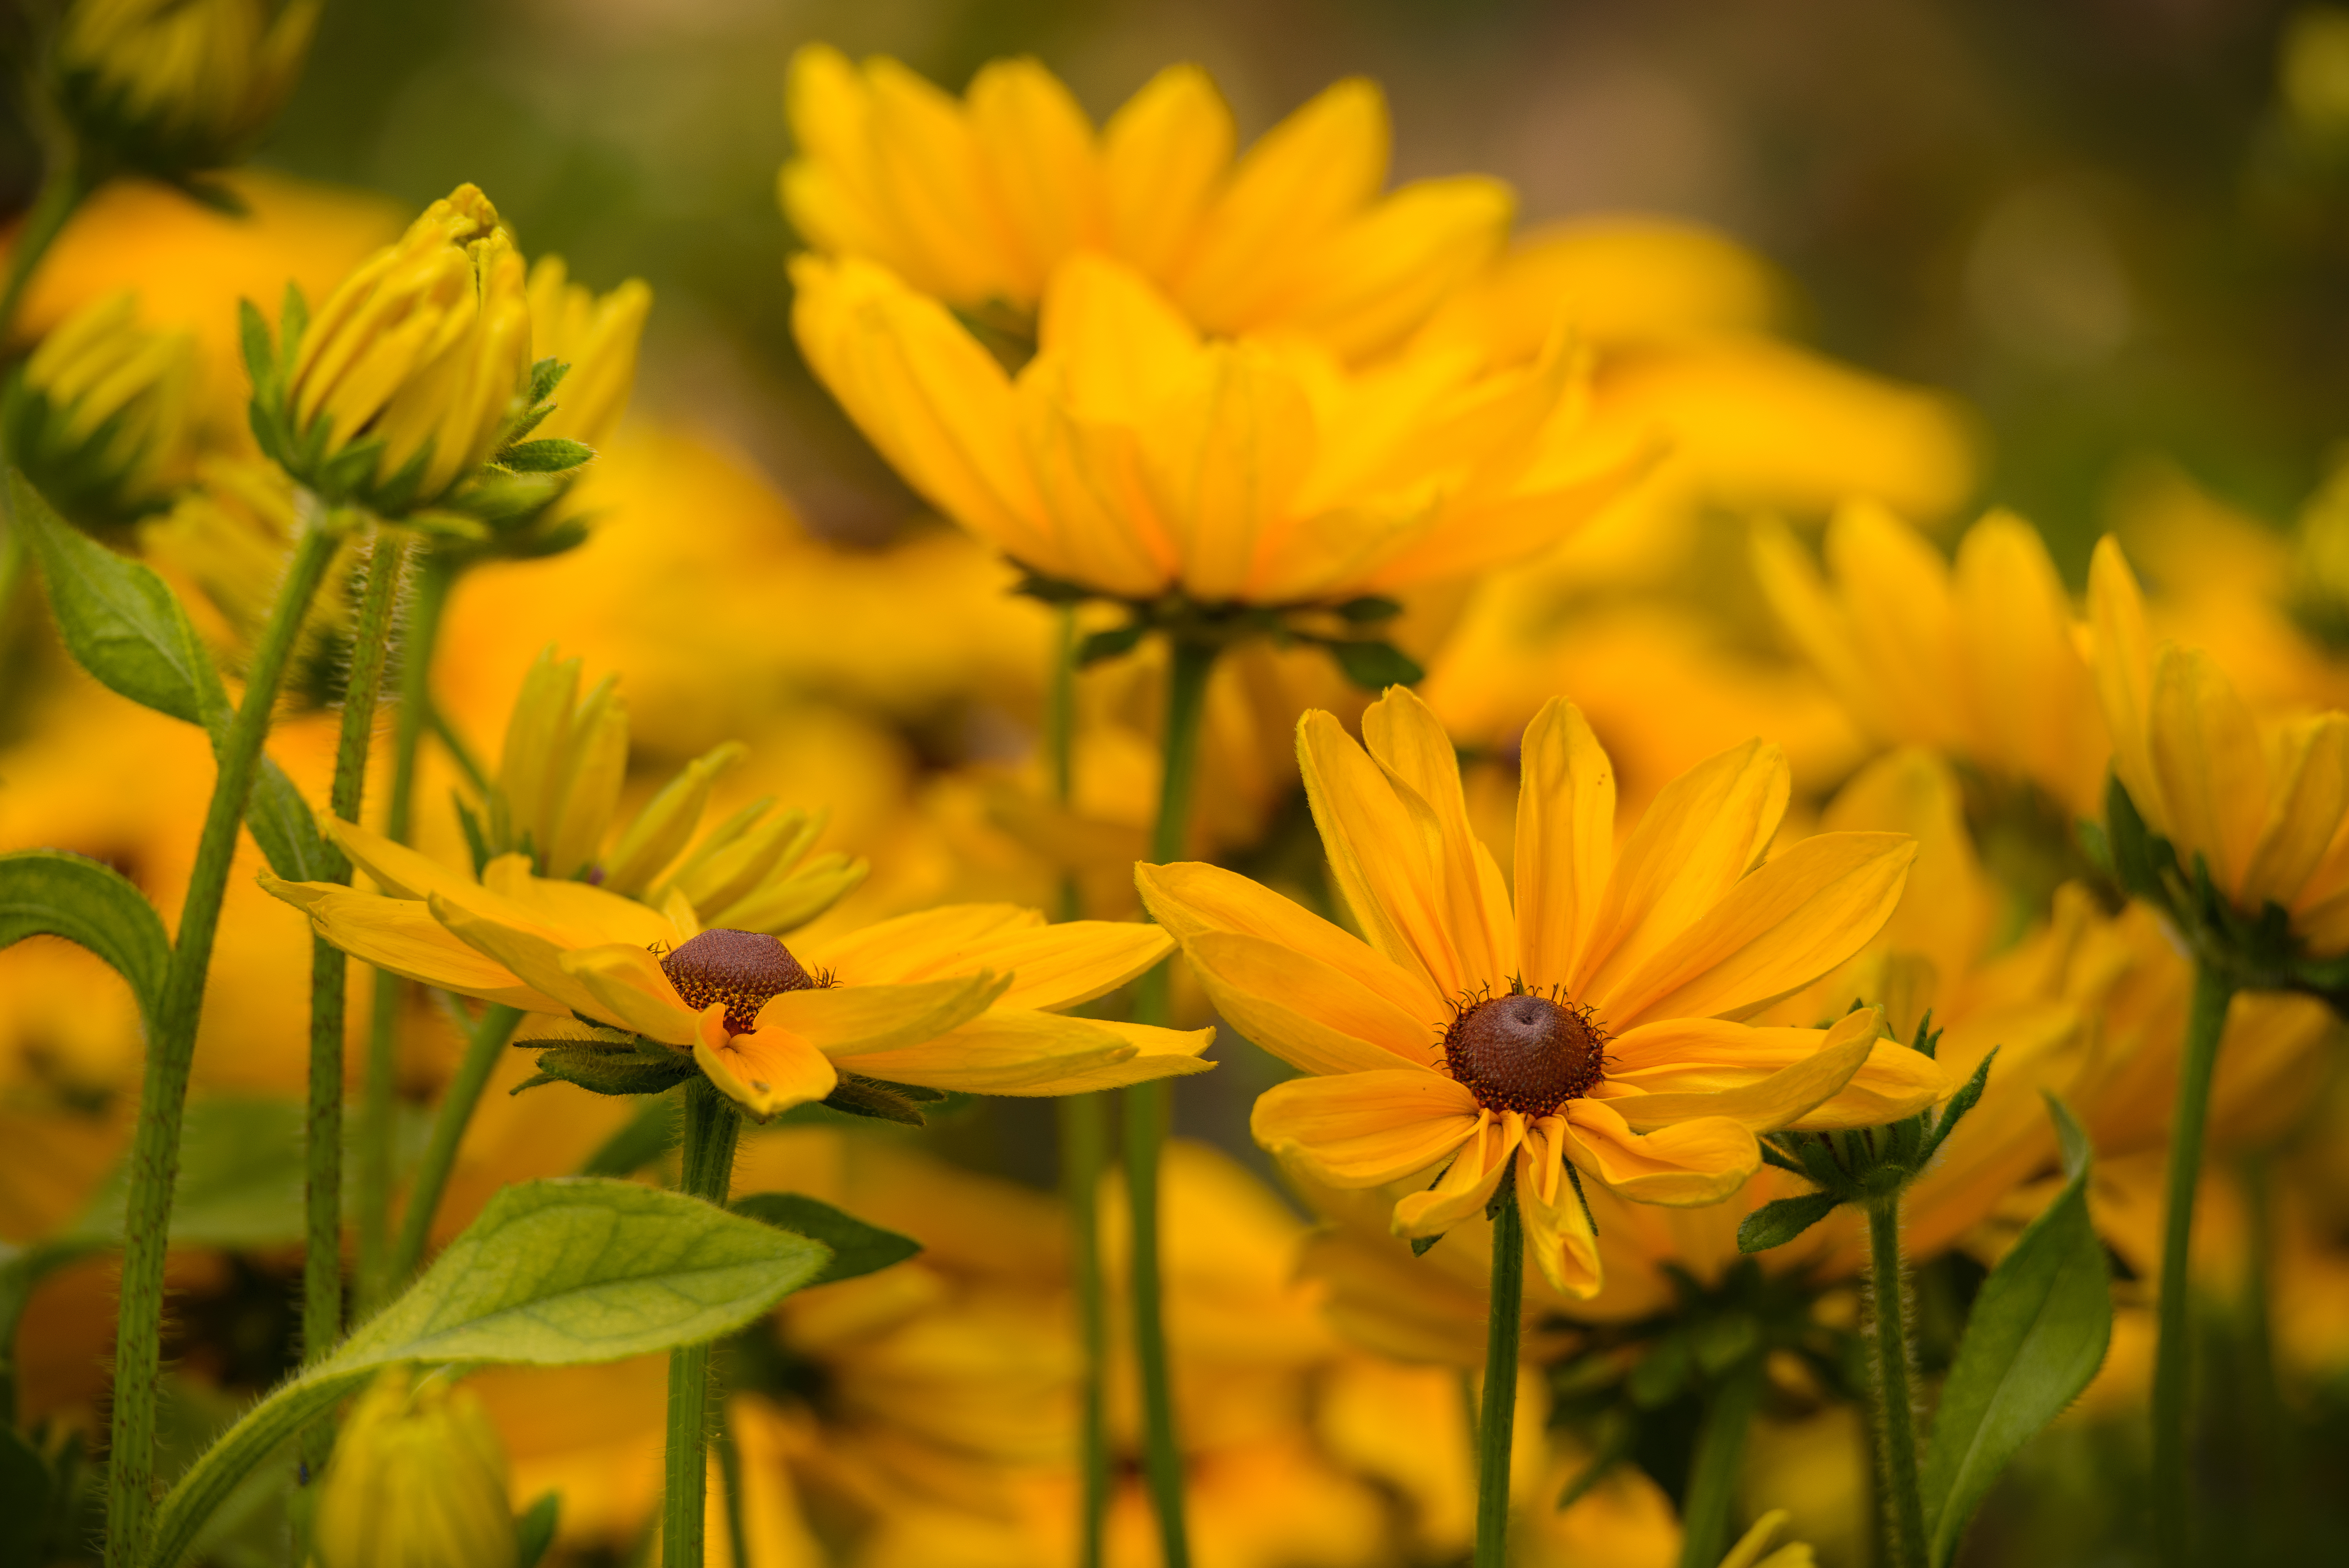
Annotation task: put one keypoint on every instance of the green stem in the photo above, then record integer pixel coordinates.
(62, 190)
(171, 1054)
(490, 1032)
(1893, 1375)
(2198, 1063)
(1706, 1515)
(1149, 1108)
(711, 1130)
(1498, 1412)
(378, 1103)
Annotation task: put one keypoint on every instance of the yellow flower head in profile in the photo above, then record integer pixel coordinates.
(105, 419)
(179, 85)
(1982, 662)
(963, 997)
(405, 378)
(596, 336)
(978, 202)
(1589, 1026)
(558, 792)
(418, 1480)
(2261, 809)
(1131, 457)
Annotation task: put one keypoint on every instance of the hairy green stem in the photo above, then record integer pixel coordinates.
(1707, 1514)
(1893, 1375)
(2205, 1021)
(489, 1034)
(1149, 1110)
(171, 1054)
(62, 190)
(1497, 1410)
(711, 1130)
(378, 1103)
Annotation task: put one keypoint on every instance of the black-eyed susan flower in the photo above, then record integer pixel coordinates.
(179, 85)
(105, 419)
(1135, 459)
(965, 998)
(977, 201)
(1591, 1024)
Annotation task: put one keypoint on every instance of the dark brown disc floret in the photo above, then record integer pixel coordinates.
(740, 968)
(1525, 1053)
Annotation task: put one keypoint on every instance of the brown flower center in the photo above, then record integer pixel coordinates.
(1525, 1053)
(740, 968)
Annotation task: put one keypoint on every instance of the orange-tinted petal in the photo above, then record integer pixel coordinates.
(1566, 841)
(1683, 1165)
(1362, 1129)
(1407, 740)
(1188, 898)
(1467, 1185)
(1768, 1103)
(767, 1070)
(1304, 1012)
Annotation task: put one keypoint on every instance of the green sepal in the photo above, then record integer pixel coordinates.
(1419, 1244)
(2131, 845)
(1662, 1372)
(880, 1099)
(612, 1068)
(1368, 608)
(552, 455)
(1375, 666)
(476, 843)
(857, 1247)
(1960, 1103)
(534, 1528)
(1781, 1220)
(546, 376)
(1109, 644)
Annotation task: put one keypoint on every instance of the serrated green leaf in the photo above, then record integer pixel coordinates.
(118, 618)
(552, 455)
(857, 1247)
(555, 1272)
(1781, 1220)
(2034, 1338)
(49, 892)
(1374, 665)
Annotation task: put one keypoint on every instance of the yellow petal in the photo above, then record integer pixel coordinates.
(1381, 854)
(1408, 742)
(1467, 1184)
(400, 935)
(1054, 967)
(922, 945)
(1163, 154)
(1189, 898)
(2032, 696)
(1225, 462)
(1386, 271)
(767, 1070)
(1773, 933)
(1766, 1104)
(2206, 752)
(626, 985)
(1565, 842)
(1038, 150)
(1364, 1129)
(1559, 1234)
(1904, 622)
(1680, 1166)
(933, 184)
(2124, 670)
(848, 1020)
(398, 869)
(1303, 1011)
(577, 913)
(1895, 1082)
(1813, 619)
(1015, 1052)
(534, 959)
(2310, 795)
(1104, 520)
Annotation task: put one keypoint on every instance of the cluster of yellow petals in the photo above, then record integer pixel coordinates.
(1671, 942)
(980, 200)
(121, 397)
(189, 82)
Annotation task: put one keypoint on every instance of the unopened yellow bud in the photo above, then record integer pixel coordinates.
(597, 338)
(173, 86)
(105, 420)
(665, 825)
(418, 1480)
(406, 377)
(559, 774)
(753, 871)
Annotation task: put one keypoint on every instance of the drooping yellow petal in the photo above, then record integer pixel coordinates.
(1767, 1104)
(626, 985)
(1381, 856)
(1895, 1082)
(767, 1070)
(1302, 1011)
(1772, 933)
(400, 935)
(578, 914)
(398, 869)
(1017, 1052)
(1408, 742)
(1559, 1234)
(1364, 1129)
(1680, 1166)
(1190, 898)
(1565, 842)
(849, 1020)
(1466, 1185)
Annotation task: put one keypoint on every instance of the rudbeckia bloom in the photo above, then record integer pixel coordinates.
(105, 420)
(1982, 662)
(1133, 457)
(962, 997)
(2259, 807)
(178, 84)
(1591, 1024)
(978, 202)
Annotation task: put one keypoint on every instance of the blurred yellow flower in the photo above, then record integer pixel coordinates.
(105, 418)
(176, 85)
(2261, 809)
(1131, 457)
(1594, 1028)
(405, 377)
(937, 999)
(977, 203)
(1983, 662)
(418, 1480)
(596, 336)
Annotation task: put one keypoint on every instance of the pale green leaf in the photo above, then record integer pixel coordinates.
(47, 892)
(857, 1247)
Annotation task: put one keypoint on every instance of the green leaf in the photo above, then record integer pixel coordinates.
(286, 827)
(546, 376)
(1108, 645)
(554, 1274)
(119, 620)
(2035, 1337)
(49, 892)
(535, 1530)
(1374, 665)
(25, 1491)
(1781, 1220)
(550, 455)
(857, 1248)
(239, 1182)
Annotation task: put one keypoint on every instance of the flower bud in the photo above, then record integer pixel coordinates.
(418, 1480)
(597, 338)
(559, 777)
(105, 419)
(405, 379)
(177, 85)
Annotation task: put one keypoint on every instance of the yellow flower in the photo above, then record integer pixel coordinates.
(105, 420)
(1982, 662)
(176, 85)
(963, 997)
(596, 336)
(979, 202)
(404, 379)
(2259, 807)
(1131, 457)
(418, 1480)
(1591, 1023)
